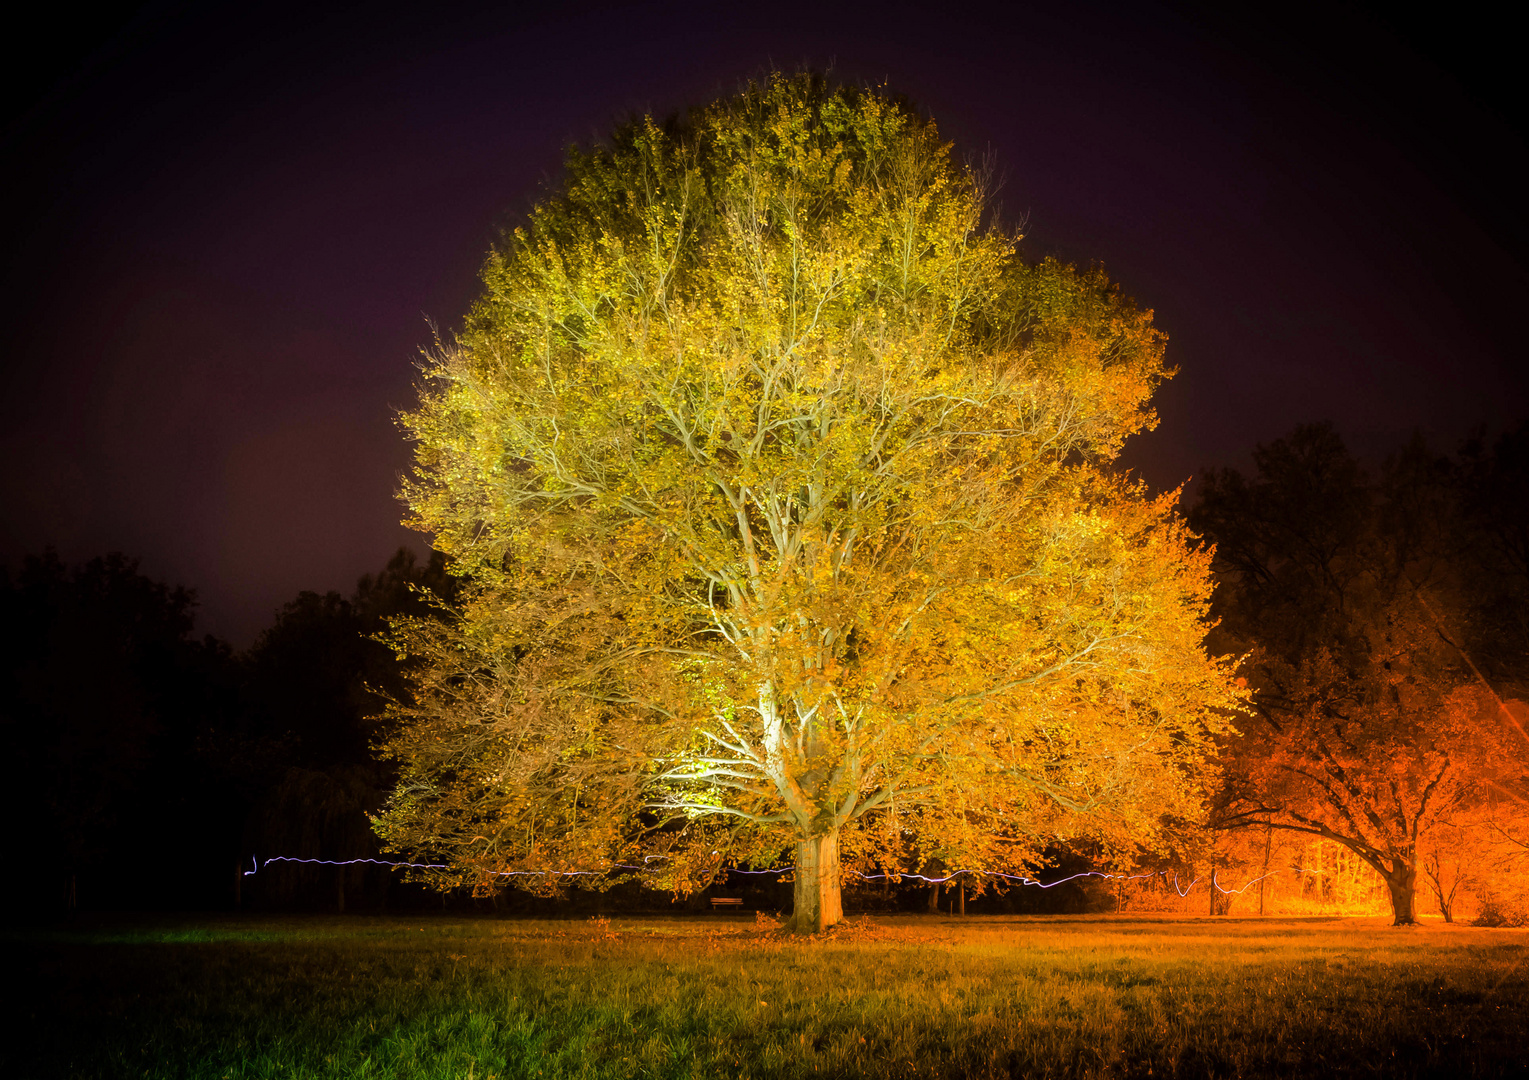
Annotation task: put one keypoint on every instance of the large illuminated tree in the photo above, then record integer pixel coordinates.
(783, 486)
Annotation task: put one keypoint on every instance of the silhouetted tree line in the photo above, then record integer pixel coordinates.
(152, 768)
(1295, 538)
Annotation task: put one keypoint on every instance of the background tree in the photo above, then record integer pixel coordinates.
(1371, 727)
(782, 486)
(316, 682)
(1446, 860)
(105, 697)
(1493, 485)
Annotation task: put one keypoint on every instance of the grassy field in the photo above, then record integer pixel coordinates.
(900, 996)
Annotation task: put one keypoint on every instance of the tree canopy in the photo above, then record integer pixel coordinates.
(783, 488)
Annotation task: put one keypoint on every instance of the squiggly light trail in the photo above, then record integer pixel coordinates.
(1017, 878)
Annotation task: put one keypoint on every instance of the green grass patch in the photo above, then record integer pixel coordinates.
(720, 997)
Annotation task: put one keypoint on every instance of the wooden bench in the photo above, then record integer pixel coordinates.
(726, 902)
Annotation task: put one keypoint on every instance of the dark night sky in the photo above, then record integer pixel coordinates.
(224, 232)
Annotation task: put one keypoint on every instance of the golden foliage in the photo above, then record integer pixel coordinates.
(784, 488)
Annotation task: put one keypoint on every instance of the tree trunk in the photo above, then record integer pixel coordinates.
(339, 889)
(1263, 879)
(1402, 882)
(934, 898)
(961, 892)
(1220, 902)
(817, 903)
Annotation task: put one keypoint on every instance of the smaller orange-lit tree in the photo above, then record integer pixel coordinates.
(1445, 858)
(1372, 729)
(1384, 757)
